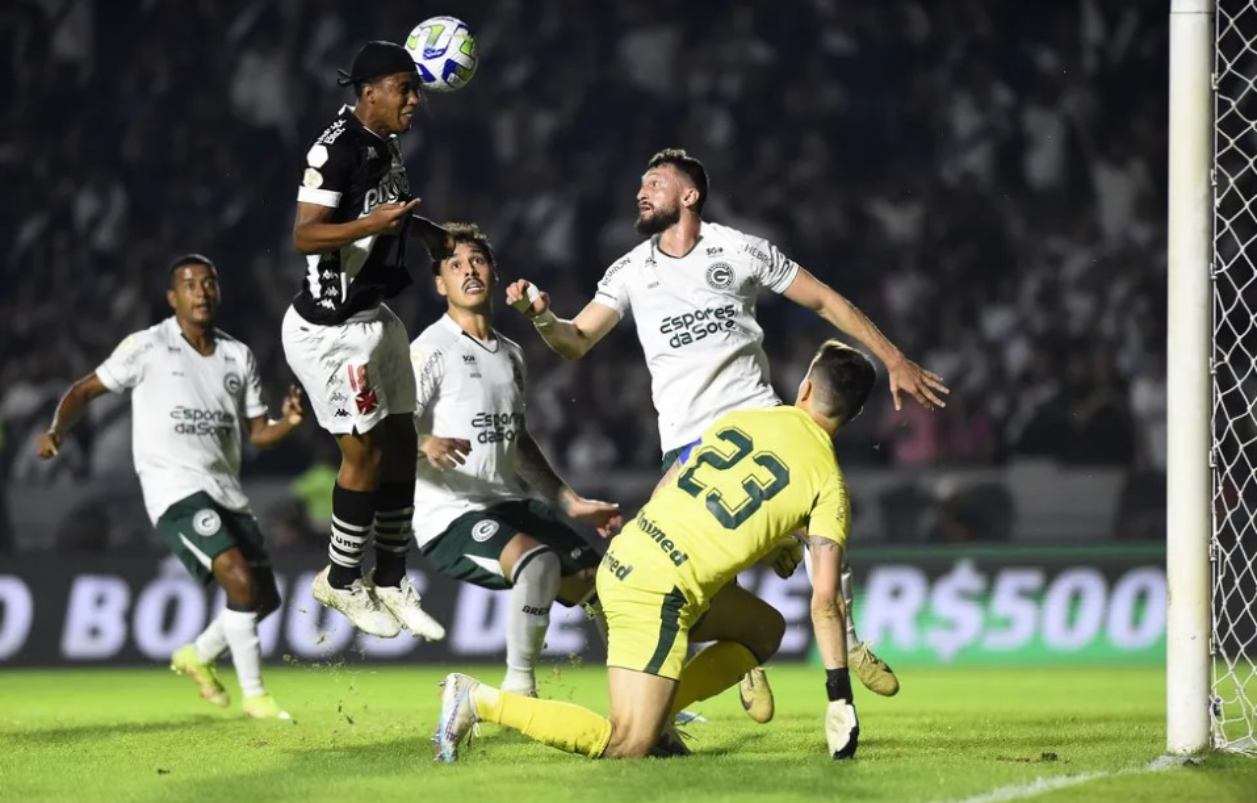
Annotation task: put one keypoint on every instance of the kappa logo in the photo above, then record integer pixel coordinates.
(720, 276)
(372, 153)
(206, 522)
(232, 383)
(484, 530)
(341, 412)
(336, 397)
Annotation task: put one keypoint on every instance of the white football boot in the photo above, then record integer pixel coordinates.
(358, 604)
(402, 601)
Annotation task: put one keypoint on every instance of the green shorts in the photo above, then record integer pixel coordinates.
(483, 534)
(197, 529)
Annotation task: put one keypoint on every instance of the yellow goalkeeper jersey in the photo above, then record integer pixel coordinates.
(754, 477)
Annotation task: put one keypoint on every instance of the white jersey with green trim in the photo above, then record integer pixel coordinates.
(696, 322)
(472, 389)
(188, 411)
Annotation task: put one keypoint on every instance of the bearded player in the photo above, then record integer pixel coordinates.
(691, 288)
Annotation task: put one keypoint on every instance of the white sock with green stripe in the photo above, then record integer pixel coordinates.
(533, 589)
(241, 629)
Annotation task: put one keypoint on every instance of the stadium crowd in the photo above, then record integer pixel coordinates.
(985, 180)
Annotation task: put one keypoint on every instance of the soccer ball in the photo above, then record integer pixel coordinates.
(444, 52)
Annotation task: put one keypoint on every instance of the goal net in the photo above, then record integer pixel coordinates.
(1233, 550)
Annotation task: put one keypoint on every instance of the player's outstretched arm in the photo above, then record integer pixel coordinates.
(536, 470)
(69, 411)
(265, 433)
(570, 339)
(905, 375)
(829, 620)
(314, 233)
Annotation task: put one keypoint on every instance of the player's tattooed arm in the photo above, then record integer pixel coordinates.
(829, 613)
(537, 471)
(829, 620)
(905, 375)
(265, 433)
(69, 411)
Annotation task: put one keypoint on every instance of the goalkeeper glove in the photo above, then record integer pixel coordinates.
(842, 726)
(788, 558)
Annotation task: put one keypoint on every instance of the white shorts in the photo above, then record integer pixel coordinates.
(355, 373)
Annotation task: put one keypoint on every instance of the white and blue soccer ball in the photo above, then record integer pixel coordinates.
(444, 51)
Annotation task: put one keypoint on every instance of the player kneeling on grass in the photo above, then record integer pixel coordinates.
(755, 477)
(193, 388)
(474, 518)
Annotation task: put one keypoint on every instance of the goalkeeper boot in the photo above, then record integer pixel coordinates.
(186, 662)
(458, 716)
(358, 604)
(873, 672)
(756, 695)
(402, 601)
(264, 707)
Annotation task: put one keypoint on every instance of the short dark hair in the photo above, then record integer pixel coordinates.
(842, 378)
(691, 167)
(456, 233)
(188, 259)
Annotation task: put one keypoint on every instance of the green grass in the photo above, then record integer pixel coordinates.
(361, 733)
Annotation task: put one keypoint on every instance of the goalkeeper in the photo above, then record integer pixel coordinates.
(754, 477)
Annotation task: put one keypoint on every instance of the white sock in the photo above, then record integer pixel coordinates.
(241, 628)
(533, 590)
(212, 642)
(847, 584)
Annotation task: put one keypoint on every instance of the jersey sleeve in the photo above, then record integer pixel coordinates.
(831, 514)
(429, 366)
(613, 287)
(771, 268)
(124, 368)
(254, 406)
(327, 171)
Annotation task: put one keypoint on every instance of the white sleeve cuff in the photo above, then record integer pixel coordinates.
(309, 195)
(107, 378)
(783, 283)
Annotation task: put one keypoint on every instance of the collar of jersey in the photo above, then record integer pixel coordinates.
(654, 245)
(451, 325)
(347, 114)
(175, 334)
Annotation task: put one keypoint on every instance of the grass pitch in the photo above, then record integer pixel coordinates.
(361, 733)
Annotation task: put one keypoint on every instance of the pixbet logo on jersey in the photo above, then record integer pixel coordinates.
(390, 189)
(691, 327)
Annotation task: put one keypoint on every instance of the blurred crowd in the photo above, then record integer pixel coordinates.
(986, 180)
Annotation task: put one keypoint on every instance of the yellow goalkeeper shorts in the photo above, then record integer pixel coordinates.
(648, 617)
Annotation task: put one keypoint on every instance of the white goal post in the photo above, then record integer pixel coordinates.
(1211, 515)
